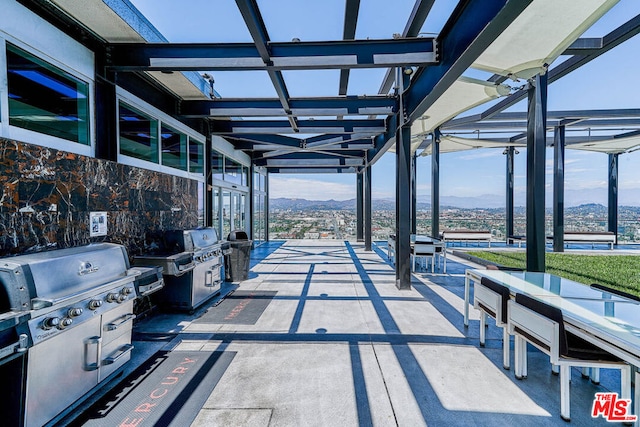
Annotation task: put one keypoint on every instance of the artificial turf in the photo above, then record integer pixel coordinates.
(617, 271)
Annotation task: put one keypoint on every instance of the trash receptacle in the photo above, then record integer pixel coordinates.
(236, 263)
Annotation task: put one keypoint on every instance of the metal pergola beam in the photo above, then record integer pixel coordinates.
(312, 170)
(252, 18)
(470, 122)
(344, 156)
(419, 14)
(235, 127)
(569, 140)
(473, 26)
(274, 56)
(327, 106)
(348, 33)
(551, 124)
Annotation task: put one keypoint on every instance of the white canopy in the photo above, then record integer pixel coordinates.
(610, 146)
(536, 38)
(450, 144)
(464, 94)
(544, 30)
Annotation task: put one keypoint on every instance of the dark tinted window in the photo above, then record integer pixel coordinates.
(45, 99)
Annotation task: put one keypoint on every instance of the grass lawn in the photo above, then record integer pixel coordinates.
(617, 271)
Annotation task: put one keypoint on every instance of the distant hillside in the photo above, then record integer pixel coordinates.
(385, 204)
(303, 204)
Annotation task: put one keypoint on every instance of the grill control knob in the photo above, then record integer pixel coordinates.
(74, 312)
(121, 298)
(64, 323)
(126, 290)
(50, 322)
(94, 304)
(112, 297)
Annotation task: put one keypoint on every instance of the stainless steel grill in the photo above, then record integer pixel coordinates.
(192, 267)
(80, 301)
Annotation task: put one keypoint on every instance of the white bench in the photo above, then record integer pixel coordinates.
(466, 236)
(593, 237)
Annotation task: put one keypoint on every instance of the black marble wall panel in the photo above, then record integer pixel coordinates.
(46, 197)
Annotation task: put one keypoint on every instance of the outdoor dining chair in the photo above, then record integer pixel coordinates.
(542, 325)
(391, 248)
(491, 299)
(423, 250)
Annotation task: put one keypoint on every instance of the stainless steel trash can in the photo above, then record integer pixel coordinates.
(236, 263)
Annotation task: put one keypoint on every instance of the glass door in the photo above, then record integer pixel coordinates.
(226, 213)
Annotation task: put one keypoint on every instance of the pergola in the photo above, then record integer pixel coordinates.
(423, 90)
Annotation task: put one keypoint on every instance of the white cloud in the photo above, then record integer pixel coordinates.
(310, 189)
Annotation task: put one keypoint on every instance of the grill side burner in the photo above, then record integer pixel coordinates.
(193, 274)
(80, 301)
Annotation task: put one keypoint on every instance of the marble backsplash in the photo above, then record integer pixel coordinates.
(47, 196)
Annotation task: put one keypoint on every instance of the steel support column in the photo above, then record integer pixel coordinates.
(435, 184)
(510, 155)
(536, 145)
(105, 118)
(359, 207)
(613, 194)
(414, 195)
(208, 200)
(558, 188)
(367, 208)
(266, 208)
(403, 189)
(252, 207)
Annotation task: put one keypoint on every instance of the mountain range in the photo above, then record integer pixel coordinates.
(484, 202)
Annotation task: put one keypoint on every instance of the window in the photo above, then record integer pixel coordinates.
(138, 135)
(201, 204)
(45, 99)
(244, 175)
(217, 165)
(174, 148)
(232, 171)
(196, 156)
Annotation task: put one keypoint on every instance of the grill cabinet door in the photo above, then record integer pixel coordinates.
(68, 360)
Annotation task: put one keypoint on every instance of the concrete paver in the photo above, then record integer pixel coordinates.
(340, 345)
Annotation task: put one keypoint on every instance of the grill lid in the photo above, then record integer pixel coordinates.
(202, 237)
(190, 240)
(61, 273)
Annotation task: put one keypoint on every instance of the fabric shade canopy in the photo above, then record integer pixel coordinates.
(609, 146)
(530, 42)
(464, 94)
(536, 38)
(451, 144)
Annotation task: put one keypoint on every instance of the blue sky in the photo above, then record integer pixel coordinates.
(607, 82)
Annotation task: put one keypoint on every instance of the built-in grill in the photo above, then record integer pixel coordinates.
(80, 303)
(192, 267)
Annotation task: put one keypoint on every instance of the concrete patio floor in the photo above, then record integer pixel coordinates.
(338, 345)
